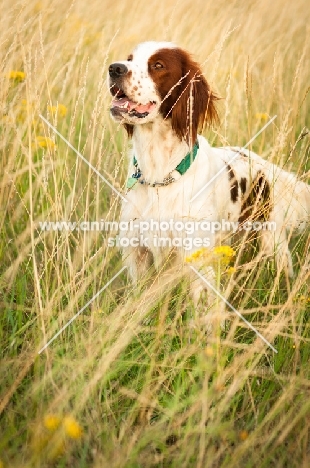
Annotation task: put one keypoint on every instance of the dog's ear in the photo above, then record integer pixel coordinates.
(129, 129)
(194, 105)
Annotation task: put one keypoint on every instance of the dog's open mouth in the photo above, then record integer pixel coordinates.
(122, 104)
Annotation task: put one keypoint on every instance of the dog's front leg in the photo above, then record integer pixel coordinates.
(139, 261)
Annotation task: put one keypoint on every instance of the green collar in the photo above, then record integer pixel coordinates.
(181, 168)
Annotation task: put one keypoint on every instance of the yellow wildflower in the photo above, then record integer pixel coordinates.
(224, 251)
(243, 435)
(24, 103)
(301, 298)
(60, 110)
(52, 422)
(223, 254)
(45, 142)
(230, 270)
(16, 75)
(72, 428)
(197, 254)
(209, 351)
(262, 116)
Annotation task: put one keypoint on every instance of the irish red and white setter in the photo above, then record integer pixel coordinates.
(162, 99)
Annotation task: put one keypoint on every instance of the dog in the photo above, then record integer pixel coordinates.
(162, 99)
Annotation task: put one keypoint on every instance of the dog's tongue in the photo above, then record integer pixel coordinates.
(125, 103)
(141, 108)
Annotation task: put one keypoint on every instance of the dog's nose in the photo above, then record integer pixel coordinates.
(117, 69)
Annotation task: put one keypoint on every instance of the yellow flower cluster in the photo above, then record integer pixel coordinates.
(60, 110)
(24, 104)
(217, 256)
(70, 426)
(222, 253)
(51, 443)
(243, 435)
(15, 75)
(262, 116)
(197, 254)
(24, 110)
(209, 351)
(45, 142)
(52, 422)
(230, 270)
(301, 298)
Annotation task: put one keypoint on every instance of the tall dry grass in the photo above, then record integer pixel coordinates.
(147, 389)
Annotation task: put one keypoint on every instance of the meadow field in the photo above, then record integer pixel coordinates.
(130, 383)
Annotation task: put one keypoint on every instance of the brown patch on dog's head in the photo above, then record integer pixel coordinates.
(187, 98)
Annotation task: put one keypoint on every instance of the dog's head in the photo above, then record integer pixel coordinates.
(160, 78)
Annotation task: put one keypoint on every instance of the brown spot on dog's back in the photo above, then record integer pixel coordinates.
(243, 183)
(257, 205)
(234, 186)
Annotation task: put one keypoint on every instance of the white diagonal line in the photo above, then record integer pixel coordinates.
(82, 157)
(232, 159)
(80, 311)
(234, 310)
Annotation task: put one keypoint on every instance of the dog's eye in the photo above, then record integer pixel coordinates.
(158, 65)
(130, 57)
